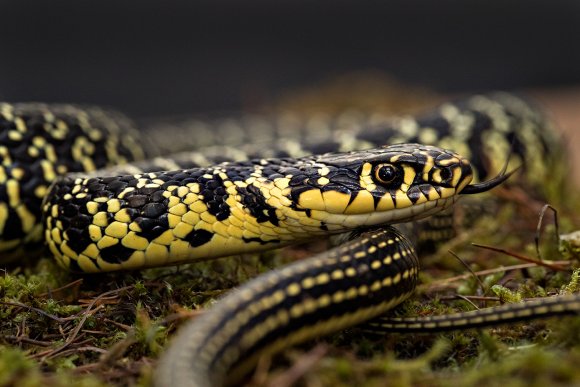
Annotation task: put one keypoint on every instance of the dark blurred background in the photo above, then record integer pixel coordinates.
(172, 57)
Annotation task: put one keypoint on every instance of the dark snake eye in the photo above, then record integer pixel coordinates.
(386, 173)
(446, 174)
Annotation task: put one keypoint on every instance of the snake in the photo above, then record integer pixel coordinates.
(151, 210)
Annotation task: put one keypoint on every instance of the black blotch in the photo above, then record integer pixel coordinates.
(260, 241)
(198, 237)
(153, 210)
(214, 196)
(116, 253)
(117, 186)
(78, 239)
(255, 202)
(69, 210)
(13, 227)
(150, 228)
(80, 221)
(136, 200)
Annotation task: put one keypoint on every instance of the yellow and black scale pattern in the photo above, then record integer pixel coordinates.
(148, 218)
(39, 142)
(162, 218)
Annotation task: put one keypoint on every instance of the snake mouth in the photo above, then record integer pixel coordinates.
(487, 185)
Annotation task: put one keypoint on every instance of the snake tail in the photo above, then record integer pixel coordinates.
(340, 288)
(503, 314)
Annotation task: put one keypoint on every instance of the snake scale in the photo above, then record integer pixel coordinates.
(243, 197)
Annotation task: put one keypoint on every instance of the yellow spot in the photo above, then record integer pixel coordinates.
(351, 294)
(95, 232)
(296, 311)
(28, 220)
(106, 241)
(193, 187)
(13, 191)
(311, 199)
(123, 216)
(363, 290)
(335, 202)
(433, 195)
(309, 305)
(135, 261)
(179, 250)
(366, 169)
(165, 238)
(54, 235)
(91, 251)
(190, 217)
(14, 135)
(100, 219)
(17, 173)
(362, 203)
(173, 220)
(376, 286)
(397, 278)
(182, 191)
(337, 274)
(116, 230)
(92, 207)
(324, 301)
(402, 200)
(86, 264)
(155, 251)
(388, 281)
(113, 205)
(293, 289)
(134, 241)
(198, 207)
(173, 201)
(182, 230)
(135, 227)
(189, 198)
(322, 279)
(178, 209)
(308, 282)
(222, 229)
(323, 181)
(350, 272)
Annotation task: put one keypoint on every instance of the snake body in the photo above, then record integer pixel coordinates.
(250, 198)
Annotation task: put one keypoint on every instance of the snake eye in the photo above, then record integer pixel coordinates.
(446, 174)
(386, 173)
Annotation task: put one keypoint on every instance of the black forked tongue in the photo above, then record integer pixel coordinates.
(487, 185)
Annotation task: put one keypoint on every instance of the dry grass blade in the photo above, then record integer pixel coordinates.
(299, 368)
(537, 262)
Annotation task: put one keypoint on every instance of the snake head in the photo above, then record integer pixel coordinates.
(391, 184)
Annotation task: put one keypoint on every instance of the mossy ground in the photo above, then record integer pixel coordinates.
(59, 329)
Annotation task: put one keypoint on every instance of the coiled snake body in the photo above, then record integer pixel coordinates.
(200, 211)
